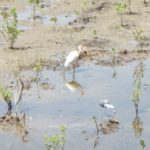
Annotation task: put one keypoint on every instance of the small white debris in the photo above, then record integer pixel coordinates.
(105, 103)
(108, 106)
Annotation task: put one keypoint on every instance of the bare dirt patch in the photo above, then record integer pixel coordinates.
(50, 42)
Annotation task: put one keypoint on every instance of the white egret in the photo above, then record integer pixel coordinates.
(73, 56)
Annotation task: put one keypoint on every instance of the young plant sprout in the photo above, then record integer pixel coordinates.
(35, 4)
(9, 28)
(84, 4)
(57, 141)
(129, 6)
(114, 52)
(120, 7)
(142, 143)
(136, 94)
(138, 76)
(54, 19)
(96, 124)
(38, 67)
(94, 33)
(139, 36)
(77, 12)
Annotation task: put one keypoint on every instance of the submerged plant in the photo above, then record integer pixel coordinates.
(114, 52)
(120, 7)
(57, 141)
(84, 5)
(6, 94)
(38, 67)
(35, 4)
(9, 29)
(94, 33)
(137, 124)
(137, 85)
(138, 76)
(142, 143)
(54, 19)
(139, 36)
(148, 108)
(96, 124)
(129, 6)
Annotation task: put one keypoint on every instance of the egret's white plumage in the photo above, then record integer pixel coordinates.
(72, 58)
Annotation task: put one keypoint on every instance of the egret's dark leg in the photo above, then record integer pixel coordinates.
(77, 64)
(74, 70)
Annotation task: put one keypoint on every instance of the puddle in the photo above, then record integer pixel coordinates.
(74, 103)
(24, 28)
(26, 16)
(20, 27)
(63, 19)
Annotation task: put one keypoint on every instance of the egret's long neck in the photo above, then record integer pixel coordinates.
(79, 50)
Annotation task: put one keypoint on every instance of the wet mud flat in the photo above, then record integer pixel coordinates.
(92, 27)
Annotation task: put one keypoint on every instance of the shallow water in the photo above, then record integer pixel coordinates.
(62, 19)
(25, 16)
(59, 105)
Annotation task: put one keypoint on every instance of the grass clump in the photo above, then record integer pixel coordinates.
(57, 141)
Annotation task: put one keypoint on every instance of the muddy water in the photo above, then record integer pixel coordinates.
(75, 106)
(25, 18)
(62, 19)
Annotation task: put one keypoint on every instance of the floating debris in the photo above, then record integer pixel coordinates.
(109, 126)
(106, 104)
(47, 86)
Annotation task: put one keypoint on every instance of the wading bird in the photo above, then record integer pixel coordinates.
(73, 56)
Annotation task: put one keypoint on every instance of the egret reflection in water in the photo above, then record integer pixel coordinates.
(74, 86)
(137, 124)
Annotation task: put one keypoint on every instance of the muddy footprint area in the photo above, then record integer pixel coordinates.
(46, 106)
